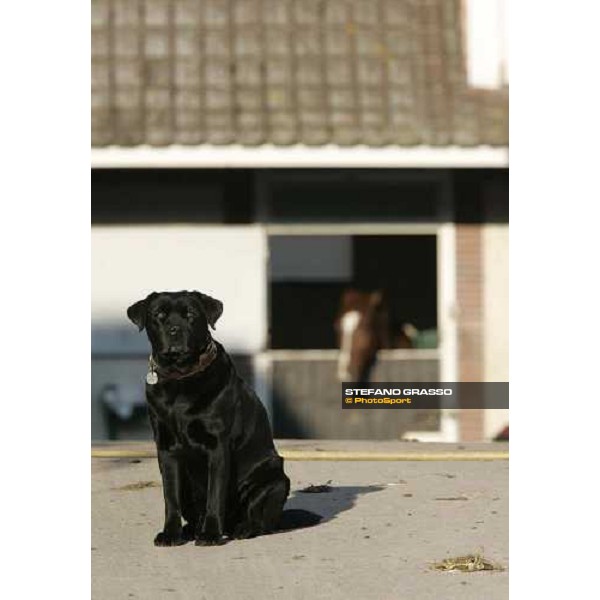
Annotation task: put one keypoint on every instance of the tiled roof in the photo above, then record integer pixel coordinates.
(347, 72)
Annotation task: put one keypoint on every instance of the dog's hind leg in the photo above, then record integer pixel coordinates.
(263, 510)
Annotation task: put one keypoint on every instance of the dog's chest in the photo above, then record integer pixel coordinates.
(170, 407)
(187, 417)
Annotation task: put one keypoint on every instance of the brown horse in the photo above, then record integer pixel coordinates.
(362, 327)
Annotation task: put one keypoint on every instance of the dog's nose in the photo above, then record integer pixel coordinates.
(174, 329)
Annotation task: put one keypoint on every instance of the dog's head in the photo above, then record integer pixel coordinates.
(177, 325)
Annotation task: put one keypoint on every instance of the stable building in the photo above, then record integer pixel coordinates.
(275, 153)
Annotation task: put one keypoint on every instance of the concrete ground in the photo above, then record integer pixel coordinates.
(384, 523)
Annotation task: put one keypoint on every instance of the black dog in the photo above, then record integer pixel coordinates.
(219, 466)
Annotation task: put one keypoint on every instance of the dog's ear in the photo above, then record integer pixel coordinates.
(137, 313)
(212, 307)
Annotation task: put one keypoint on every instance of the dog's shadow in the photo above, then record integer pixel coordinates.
(329, 504)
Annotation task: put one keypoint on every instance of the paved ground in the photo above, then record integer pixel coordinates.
(385, 523)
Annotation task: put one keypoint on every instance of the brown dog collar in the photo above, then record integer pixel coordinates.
(204, 361)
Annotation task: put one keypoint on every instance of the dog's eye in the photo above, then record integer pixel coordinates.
(161, 316)
(190, 315)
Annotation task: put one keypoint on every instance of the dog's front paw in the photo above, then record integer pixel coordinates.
(243, 531)
(165, 538)
(210, 539)
(210, 534)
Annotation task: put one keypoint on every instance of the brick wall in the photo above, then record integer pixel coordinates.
(469, 274)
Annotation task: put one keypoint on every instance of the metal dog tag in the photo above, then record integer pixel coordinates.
(151, 378)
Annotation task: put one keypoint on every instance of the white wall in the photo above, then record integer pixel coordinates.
(227, 262)
(486, 42)
(495, 298)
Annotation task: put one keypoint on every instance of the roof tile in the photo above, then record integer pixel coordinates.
(375, 72)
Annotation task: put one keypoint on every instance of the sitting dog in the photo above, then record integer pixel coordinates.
(218, 463)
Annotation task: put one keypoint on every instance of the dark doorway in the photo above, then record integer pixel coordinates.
(306, 285)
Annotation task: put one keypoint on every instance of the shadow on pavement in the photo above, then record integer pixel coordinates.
(330, 504)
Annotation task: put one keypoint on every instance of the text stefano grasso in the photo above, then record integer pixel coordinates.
(398, 392)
